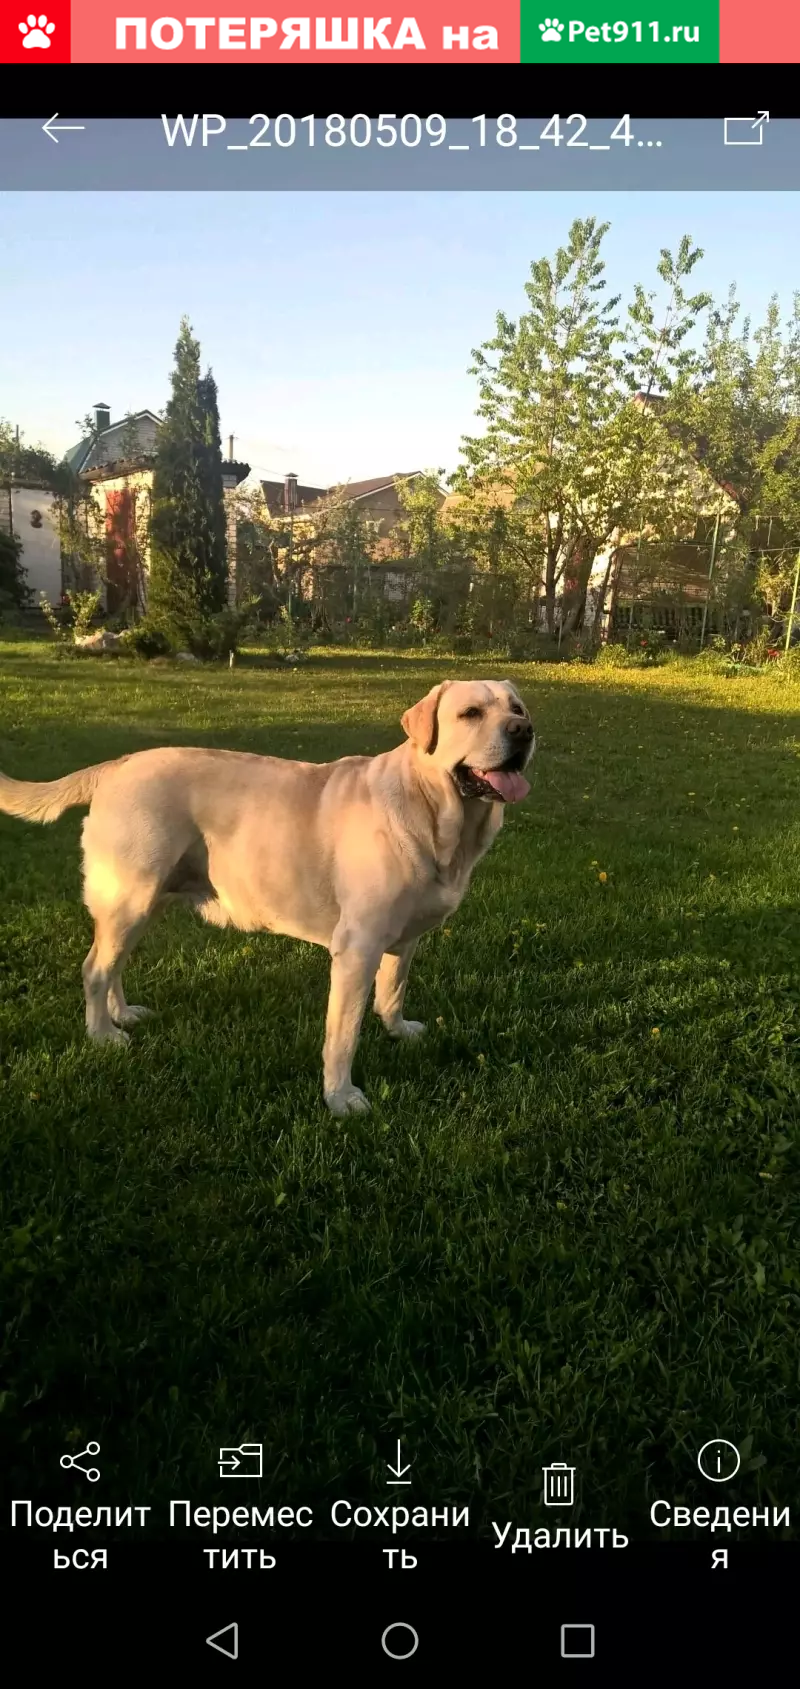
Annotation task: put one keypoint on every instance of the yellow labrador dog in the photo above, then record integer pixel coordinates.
(362, 855)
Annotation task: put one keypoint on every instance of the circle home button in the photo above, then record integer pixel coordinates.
(399, 1641)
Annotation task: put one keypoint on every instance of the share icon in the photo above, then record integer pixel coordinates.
(91, 1472)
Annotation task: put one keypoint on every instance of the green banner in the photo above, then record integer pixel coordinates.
(685, 32)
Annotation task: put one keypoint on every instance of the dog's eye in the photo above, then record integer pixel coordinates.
(472, 713)
(516, 709)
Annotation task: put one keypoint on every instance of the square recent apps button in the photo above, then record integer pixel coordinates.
(577, 1641)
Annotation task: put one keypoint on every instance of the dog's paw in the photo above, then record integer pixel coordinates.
(349, 1100)
(406, 1029)
(114, 1035)
(131, 1014)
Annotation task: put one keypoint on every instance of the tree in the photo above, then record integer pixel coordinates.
(14, 591)
(743, 422)
(340, 537)
(564, 447)
(500, 536)
(22, 464)
(188, 566)
(779, 466)
(422, 536)
(260, 540)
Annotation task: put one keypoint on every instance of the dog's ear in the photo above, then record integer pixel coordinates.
(420, 723)
(515, 692)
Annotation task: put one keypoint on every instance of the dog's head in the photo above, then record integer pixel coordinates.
(480, 732)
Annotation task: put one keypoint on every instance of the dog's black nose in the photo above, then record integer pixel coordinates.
(518, 728)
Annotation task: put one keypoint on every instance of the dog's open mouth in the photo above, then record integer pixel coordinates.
(494, 785)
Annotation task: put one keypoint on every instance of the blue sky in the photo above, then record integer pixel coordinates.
(339, 326)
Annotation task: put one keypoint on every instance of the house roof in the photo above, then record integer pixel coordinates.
(273, 495)
(79, 455)
(112, 470)
(310, 499)
(379, 484)
(107, 468)
(352, 491)
(236, 469)
(117, 466)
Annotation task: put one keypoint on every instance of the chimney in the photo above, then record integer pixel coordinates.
(289, 493)
(230, 448)
(102, 418)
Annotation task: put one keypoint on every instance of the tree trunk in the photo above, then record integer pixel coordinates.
(615, 583)
(550, 592)
(600, 608)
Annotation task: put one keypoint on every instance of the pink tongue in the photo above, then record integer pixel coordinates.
(512, 787)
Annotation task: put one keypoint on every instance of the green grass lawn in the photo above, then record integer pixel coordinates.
(568, 1230)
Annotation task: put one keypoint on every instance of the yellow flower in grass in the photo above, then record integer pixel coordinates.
(602, 877)
(655, 1032)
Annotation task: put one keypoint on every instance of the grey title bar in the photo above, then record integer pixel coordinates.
(276, 152)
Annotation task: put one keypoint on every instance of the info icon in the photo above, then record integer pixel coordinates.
(719, 1461)
(559, 1484)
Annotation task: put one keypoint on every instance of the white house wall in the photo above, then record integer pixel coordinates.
(41, 549)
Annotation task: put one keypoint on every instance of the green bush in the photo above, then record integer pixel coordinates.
(422, 617)
(762, 648)
(216, 637)
(581, 647)
(616, 656)
(73, 618)
(14, 592)
(790, 662)
(146, 639)
(650, 645)
(209, 638)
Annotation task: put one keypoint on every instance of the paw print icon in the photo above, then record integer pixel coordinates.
(551, 29)
(36, 32)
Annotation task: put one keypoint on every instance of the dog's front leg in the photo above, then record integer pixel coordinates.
(390, 991)
(354, 962)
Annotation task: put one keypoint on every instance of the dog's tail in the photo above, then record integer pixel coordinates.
(45, 800)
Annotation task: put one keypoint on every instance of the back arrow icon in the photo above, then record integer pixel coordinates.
(230, 1645)
(51, 124)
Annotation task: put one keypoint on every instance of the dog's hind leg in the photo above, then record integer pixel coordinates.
(117, 928)
(127, 862)
(122, 1012)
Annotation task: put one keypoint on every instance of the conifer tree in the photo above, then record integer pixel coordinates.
(188, 569)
